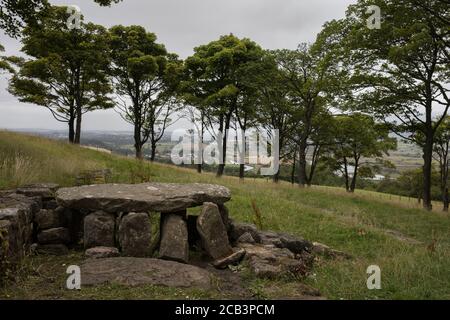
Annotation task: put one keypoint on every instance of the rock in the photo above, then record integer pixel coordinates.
(225, 214)
(232, 259)
(12, 248)
(54, 236)
(149, 197)
(99, 228)
(246, 238)
(20, 215)
(213, 233)
(264, 270)
(21, 223)
(101, 253)
(270, 238)
(324, 250)
(51, 249)
(48, 219)
(295, 244)
(29, 204)
(174, 239)
(135, 235)
(238, 229)
(268, 261)
(144, 271)
(42, 190)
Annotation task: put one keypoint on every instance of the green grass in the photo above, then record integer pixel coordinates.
(357, 224)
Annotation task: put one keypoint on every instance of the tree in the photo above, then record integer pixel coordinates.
(403, 69)
(16, 14)
(67, 72)
(274, 110)
(442, 155)
(215, 83)
(145, 79)
(310, 75)
(357, 139)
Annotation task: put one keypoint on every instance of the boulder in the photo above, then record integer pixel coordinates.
(11, 245)
(148, 197)
(144, 271)
(232, 259)
(213, 232)
(50, 249)
(135, 235)
(238, 229)
(54, 236)
(48, 219)
(225, 214)
(296, 245)
(42, 190)
(20, 217)
(99, 228)
(246, 238)
(101, 253)
(174, 239)
(268, 261)
(324, 250)
(269, 238)
(29, 204)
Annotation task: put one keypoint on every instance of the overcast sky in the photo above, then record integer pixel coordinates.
(182, 25)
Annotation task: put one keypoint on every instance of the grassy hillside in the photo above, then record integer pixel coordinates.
(375, 230)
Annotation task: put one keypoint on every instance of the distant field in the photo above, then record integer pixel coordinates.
(411, 246)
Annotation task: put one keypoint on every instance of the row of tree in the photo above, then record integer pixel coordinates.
(335, 101)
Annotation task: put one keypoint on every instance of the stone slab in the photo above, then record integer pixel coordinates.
(157, 197)
(143, 271)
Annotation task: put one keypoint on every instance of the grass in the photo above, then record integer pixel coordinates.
(374, 230)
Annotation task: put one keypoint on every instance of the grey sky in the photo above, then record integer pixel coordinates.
(181, 25)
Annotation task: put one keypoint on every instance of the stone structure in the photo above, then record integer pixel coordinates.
(115, 220)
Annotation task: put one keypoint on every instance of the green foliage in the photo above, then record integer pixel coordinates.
(67, 72)
(400, 71)
(217, 81)
(358, 137)
(145, 73)
(16, 14)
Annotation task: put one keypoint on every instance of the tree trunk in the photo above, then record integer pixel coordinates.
(446, 200)
(427, 169)
(199, 168)
(276, 176)
(293, 169)
(153, 155)
(78, 127)
(139, 154)
(71, 130)
(346, 176)
(355, 176)
(302, 175)
(242, 171)
(221, 168)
